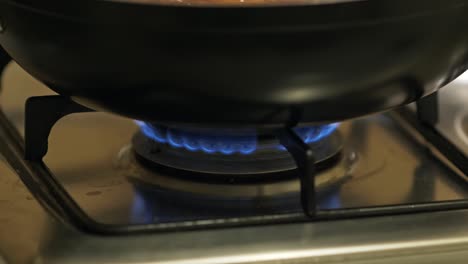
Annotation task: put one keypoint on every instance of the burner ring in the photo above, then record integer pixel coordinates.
(262, 164)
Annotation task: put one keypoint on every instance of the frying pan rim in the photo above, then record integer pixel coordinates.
(194, 9)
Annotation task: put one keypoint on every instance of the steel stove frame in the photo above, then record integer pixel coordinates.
(25, 156)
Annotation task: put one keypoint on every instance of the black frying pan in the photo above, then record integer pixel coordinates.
(239, 65)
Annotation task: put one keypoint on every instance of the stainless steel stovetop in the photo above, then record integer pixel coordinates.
(89, 154)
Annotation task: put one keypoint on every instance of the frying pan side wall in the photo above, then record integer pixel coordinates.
(227, 74)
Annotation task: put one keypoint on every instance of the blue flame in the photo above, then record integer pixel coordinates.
(152, 132)
(210, 143)
(315, 133)
(224, 144)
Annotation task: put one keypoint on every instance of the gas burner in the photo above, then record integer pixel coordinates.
(264, 177)
(234, 153)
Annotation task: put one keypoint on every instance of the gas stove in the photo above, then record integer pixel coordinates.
(389, 187)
